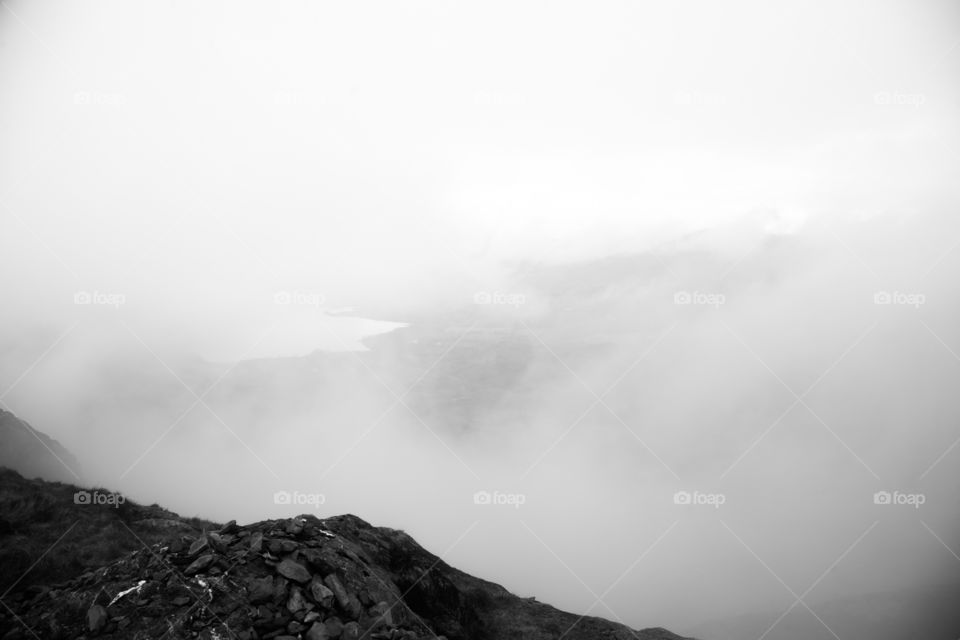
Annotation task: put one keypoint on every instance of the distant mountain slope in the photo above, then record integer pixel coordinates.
(296, 578)
(33, 453)
(923, 613)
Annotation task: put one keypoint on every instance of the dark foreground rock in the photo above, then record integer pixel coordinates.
(306, 578)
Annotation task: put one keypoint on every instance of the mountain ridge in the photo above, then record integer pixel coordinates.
(300, 577)
(34, 453)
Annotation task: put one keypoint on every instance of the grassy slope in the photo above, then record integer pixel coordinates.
(45, 537)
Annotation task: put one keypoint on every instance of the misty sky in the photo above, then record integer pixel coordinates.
(233, 182)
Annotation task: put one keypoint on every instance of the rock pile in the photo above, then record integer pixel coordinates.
(282, 579)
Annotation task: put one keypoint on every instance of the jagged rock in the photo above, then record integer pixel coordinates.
(295, 602)
(200, 564)
(294, 526)
(230, 527)
(215, 542)
(322, 595)
(293, 570)
(256, 542)
(199, 545)
(348, 603)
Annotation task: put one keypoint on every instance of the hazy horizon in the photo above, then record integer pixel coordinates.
(588, 257)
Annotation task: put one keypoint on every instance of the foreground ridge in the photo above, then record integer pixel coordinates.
(301, 577)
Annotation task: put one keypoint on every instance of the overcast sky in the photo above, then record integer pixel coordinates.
(193, 162)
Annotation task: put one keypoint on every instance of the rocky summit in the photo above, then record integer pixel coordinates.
(303, 578)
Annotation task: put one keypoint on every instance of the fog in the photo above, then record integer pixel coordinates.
(387, 256)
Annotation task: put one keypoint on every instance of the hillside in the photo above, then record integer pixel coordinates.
(47, 528)
(34, 453)
(163, 576)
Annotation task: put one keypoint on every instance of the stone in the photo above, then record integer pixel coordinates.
(198, 545)
(200, 564)
(280, 589)
(334, 626)
(321, 560)
(96, 618)
(256, 542)
(295, 602)
(322, 595)
(295, 627)
(382, 612)
(230, 527)
(348, 603)
(294, 571)
(215, 542)
(260, 589)
(351, 631)
(317, 632)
